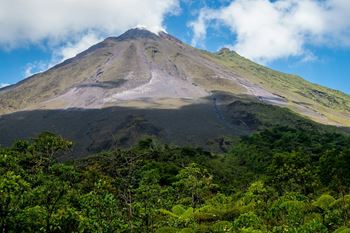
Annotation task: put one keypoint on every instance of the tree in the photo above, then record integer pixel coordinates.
(149, 195)
(50, 194)
(293, 172)
(13, 190)
(288, 210)
(126, 182)
(100, 210)
(47, 146)
(334, 169)
(194, 182)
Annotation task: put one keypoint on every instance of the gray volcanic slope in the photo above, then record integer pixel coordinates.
(142, 83)
(128, 70)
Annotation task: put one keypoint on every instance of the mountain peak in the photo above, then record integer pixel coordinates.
(137, 33)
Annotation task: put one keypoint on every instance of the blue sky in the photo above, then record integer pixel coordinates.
(309, 38)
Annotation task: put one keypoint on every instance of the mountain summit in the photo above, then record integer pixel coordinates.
(151, 79)
(137, 33)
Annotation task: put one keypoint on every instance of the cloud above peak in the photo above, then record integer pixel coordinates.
(2, 85)
(23, 21)
(266, 31)
(68, 27)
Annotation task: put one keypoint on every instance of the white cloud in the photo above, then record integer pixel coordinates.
(23, 21)
(73, 48)
(35, 67)
(68, 27)
(61, 53)
(2, 85)
(267, 30)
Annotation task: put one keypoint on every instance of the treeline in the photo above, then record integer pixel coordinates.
(277, 180)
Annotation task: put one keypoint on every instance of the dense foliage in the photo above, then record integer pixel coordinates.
(278, 180)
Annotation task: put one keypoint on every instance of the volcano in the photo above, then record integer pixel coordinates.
(146, 84)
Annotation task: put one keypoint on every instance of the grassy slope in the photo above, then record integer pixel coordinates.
(301, 94)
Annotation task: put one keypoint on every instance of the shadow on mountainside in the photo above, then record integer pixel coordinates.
(207, 125)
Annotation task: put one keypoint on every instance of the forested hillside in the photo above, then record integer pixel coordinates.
(278, 180)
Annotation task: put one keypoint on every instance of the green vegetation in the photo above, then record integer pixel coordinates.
(278, 180)
(307, 98)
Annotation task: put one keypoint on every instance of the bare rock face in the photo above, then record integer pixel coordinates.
(160, 79)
